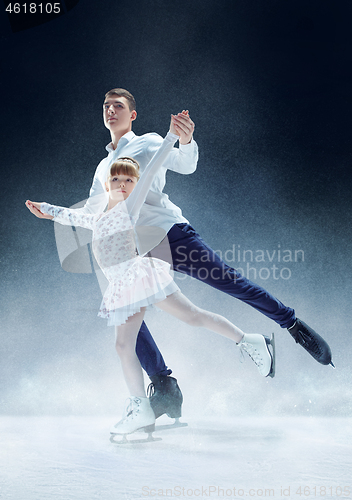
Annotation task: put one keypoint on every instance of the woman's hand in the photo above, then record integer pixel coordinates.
(34, 207)
(182, 125)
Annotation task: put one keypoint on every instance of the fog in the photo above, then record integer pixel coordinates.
(268, 87)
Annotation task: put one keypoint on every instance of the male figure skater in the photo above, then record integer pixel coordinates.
(187, 248)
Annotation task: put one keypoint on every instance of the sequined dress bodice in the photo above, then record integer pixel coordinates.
(114, 241)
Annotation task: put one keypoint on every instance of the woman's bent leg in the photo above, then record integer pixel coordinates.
(181, 307)
(254, 344)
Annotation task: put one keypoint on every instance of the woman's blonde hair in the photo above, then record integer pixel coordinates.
(125, 166)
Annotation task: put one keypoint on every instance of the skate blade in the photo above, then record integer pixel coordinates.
(271, 342)
(149, 429)
(124, 440)
(175, 425)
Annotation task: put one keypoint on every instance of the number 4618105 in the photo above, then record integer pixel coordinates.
(34, 8)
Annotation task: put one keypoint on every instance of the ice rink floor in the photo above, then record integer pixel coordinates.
(71, 458)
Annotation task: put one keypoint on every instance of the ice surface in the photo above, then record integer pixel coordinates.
(71, 458)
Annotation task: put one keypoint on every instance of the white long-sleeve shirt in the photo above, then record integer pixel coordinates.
(158, 210)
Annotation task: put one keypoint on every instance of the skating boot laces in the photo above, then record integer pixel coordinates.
(309, 342)
(132, 406)
(252, 353)
(150, 389)
(312, 342)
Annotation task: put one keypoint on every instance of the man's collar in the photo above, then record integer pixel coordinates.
(123, 140)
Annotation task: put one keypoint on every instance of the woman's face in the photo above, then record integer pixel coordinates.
(120, 186)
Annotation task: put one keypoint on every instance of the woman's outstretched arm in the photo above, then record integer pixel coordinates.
(60, 214)
(34, 207)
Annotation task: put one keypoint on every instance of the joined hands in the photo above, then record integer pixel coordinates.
(182, 125)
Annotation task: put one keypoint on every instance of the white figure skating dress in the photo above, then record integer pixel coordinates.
(134, 281)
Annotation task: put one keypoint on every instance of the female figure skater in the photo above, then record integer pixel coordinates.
(136, 282)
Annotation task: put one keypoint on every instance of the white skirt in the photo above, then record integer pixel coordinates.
(139, 282)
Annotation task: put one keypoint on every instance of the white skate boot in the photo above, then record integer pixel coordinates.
(138, 416)
(257, 347)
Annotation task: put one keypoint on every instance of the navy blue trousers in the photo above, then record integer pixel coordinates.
(192, 256)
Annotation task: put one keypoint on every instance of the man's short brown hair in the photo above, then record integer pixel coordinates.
(123, 93)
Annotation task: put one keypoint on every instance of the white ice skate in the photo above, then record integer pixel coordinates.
(257, 347)
(139, 416)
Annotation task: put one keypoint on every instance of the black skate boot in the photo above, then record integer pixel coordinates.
(312, 342)
(165, 396)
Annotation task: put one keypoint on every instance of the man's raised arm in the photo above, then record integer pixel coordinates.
(184, 158)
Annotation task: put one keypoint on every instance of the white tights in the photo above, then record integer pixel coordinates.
(182, 308)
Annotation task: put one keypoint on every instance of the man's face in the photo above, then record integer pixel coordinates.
(117, 115)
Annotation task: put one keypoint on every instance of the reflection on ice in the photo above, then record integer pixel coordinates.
(72, 458)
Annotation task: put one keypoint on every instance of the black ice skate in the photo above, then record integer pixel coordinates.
(312, 342)
(166, 397)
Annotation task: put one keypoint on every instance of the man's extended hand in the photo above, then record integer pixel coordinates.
(182, 125)
(34, 207)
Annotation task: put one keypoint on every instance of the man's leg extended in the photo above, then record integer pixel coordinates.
(192, 256)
